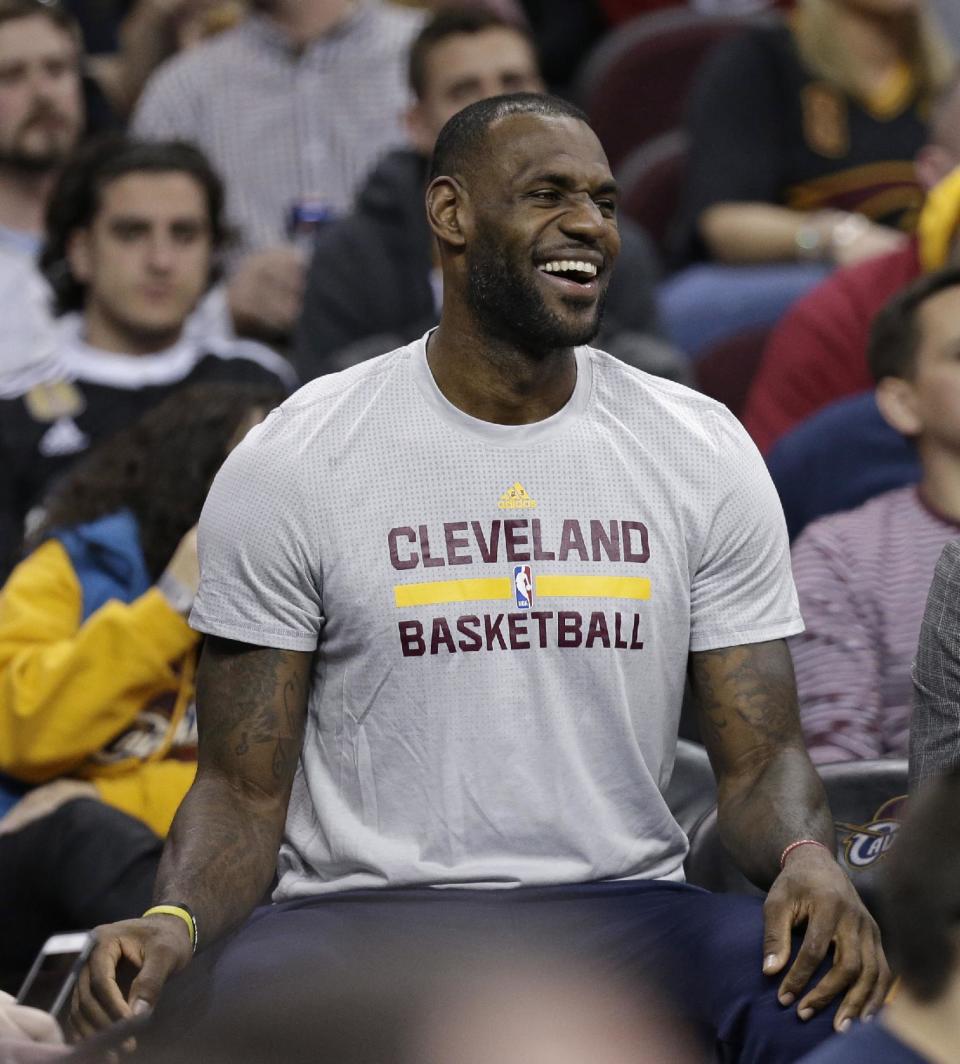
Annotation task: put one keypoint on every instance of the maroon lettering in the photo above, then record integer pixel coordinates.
(569, 629)
(411, 639)
(635, 643)
(541, 617)
(572, 539)
(604, 542)
(491, 630)
(598, 630)
(488, 548)
(539, 554)
(618, 641)
(395, 560)
(629, 554)
(455, 543)
(441, 636)
(466, 627)
(428, 560)
(514, 535)
(518, 640)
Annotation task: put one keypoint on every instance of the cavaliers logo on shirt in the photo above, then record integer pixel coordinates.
(825, 123)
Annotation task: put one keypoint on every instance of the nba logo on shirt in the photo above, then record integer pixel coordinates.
(523, 586)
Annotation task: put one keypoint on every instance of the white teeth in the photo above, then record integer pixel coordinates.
(564, 265)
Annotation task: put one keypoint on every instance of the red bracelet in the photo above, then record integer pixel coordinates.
(795, 845)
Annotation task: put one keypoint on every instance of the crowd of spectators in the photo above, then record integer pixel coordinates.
(206, 203)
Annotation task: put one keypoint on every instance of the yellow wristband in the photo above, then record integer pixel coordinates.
(175, 910)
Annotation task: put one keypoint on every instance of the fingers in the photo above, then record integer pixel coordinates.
(158, 965)
(778, 920)
(816, 941)
(97, 1000)
(852, 967)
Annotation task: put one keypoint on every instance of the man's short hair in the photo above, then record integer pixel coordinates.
(76, 199)
(453, 22)
(465, 133)
(920, 896)
(11, 10)
(895, 335)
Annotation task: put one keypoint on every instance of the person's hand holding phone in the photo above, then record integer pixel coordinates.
(30, 1034)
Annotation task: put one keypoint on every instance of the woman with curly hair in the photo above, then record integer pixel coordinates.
(97, 661)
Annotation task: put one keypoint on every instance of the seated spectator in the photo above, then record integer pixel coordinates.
(294, 106)
(935, 724)
(374, 280)
(817, 354)
(862, 576)
(132, 232)
(802, 140)
(837, 459)
(41, 114)
(921, 902)
(97, 667)
(128, 39)
(797, 129)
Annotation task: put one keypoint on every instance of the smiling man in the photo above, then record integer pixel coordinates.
(132, 234)
(463, 711)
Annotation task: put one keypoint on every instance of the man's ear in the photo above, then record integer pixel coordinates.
(78, 254)
(897, 401)
(447, 210)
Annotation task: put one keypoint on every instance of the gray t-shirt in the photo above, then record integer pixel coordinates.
(502, 616)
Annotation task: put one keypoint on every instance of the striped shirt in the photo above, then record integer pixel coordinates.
(285, 127)
(862, 577)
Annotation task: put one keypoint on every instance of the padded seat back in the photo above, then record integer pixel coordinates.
(635, 83)
(651, 182)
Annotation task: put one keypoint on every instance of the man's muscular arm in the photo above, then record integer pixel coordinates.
(221, 852)
(769, 795)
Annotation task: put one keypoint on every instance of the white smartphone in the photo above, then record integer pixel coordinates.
(54, 974)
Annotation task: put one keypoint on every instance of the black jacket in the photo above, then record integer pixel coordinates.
(368, 287)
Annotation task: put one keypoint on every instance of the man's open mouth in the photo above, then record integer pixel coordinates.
(578, 271)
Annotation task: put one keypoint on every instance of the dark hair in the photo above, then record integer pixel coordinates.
(466, 132)
(453, 22)
(11, 10)
(76, 198)
(161, 467)
(920, 895)
(895, 334)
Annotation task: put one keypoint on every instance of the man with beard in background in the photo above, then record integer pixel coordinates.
(41, 120)
(370, 664)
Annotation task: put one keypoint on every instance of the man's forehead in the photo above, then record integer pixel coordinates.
(35, 32)
(525, 145)
(941, 311)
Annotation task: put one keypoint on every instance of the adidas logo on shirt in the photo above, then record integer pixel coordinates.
(63, 437)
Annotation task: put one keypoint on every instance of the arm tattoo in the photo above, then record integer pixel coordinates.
(768, 791)
(221, 851)
(748, 690)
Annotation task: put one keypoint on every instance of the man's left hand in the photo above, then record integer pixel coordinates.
(813, 889)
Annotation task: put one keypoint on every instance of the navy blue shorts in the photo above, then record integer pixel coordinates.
(703, 950)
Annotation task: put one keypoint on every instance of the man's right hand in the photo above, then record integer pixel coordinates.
(157, 945)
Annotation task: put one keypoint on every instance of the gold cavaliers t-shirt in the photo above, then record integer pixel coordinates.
(501, 616)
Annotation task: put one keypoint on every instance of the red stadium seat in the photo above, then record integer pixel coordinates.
(726, 370)
(634, 84)
(651, 181)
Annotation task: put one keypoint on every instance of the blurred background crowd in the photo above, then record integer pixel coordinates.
(204, 203)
